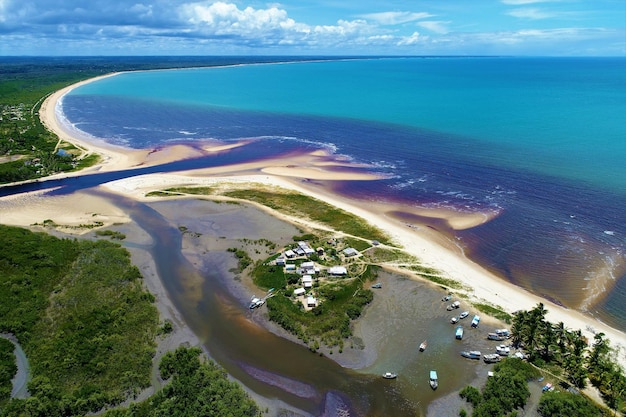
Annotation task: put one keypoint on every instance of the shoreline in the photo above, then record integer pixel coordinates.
(425, 244)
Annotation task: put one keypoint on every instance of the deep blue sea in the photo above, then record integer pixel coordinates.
(541, 142)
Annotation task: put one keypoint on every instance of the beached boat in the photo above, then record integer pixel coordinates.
(495, 336)
(464, 314)
(390, 375)
(454, 320)
(423, 346)
(447, 298)
(491, 358)
(503, 350)
(475, 321)
(256, 302)
(472, 354)
(454, 306)
(433, 381)
(503, 333)
(459, 333)
(377, 285)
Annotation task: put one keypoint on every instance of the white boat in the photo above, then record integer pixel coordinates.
(454, 306)
(447, 298)
(491, 358)
(503, 350)
(475, 321)
(495, 336)
(472, 354)
(256, 302)
(459, 333)
(377, 285)
(464, 314)
(423, 346)
(433, 381)
(454, 320)
(390, 375)
(503, 332)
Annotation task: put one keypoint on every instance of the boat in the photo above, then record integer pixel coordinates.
(459, 333)
(491, 358)
(433, 380)
(256, 302)
(447, 298)
(377, 285)
(503, 350)
(472, 354)
(423, 346)
(503, 333)
(475, 321)
(390, 375)
(495, 336)
(454, 320)
(453, 306)
(464, 314)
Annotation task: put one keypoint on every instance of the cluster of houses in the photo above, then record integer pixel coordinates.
(308, 269)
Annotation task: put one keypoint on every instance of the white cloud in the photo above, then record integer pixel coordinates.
(414, 39)
(395, 18)
(435, 26)
(530, 13)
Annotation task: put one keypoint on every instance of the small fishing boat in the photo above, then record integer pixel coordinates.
(256, 302)
(472, 354)
(464, 314)
(377, 285)
(454, 320)
(459, 333)
(423, 346)
(390, 375)
(503, 350)
(447, 298)
(454, 306)
(491, 358)
(475, 321)
(495, 336)
(433, 381)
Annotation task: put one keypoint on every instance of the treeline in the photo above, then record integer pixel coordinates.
(81, 315)
(195, 388)
(568, 351)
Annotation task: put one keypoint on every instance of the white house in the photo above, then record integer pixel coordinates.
(280, 261)
(307, 281)
(289, 253)
(350, 252)
(299, 291)
(290, 267)
(311, 301)
(338, 270)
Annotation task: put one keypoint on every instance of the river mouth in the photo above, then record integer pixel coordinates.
(189, 240)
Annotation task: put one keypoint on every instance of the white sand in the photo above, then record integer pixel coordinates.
(434, 251)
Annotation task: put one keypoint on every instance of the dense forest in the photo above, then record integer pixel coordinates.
(88, 327)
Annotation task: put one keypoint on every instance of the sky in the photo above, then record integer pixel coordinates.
(313, 27)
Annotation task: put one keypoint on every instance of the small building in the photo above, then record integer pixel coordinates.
(308, 251)
(307, 281)
(290, 254)
(338, 270)
(280, 261)
(307, 265)
(299, 291)
(320, 251)
(290, 267)
(311, 301)
(299, 251)
(350, 252)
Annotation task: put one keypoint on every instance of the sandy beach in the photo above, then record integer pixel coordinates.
(431, 249)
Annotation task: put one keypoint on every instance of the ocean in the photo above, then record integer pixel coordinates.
(538, 143)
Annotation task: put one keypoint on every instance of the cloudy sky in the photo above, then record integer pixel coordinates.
(317, 27)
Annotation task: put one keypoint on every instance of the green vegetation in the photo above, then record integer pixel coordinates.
(563, 403)
(112, 234)
(496, 312)
(304, 206)
(242, 256)
(505, 392)
(268, 276)
(82, 317)
(567, 352)
(195, 388)
(8, 368)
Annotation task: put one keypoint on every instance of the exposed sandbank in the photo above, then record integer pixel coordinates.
(416, 240)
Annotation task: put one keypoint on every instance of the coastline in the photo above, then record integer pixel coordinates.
(423, 243)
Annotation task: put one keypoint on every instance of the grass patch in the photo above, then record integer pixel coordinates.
(300, 205)
(111, 233)
(192, 190)
(496, 312)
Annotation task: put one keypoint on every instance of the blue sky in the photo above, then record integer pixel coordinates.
(313, 27)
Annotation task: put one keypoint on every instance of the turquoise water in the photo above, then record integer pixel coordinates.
(563, 117)
(541, 142)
